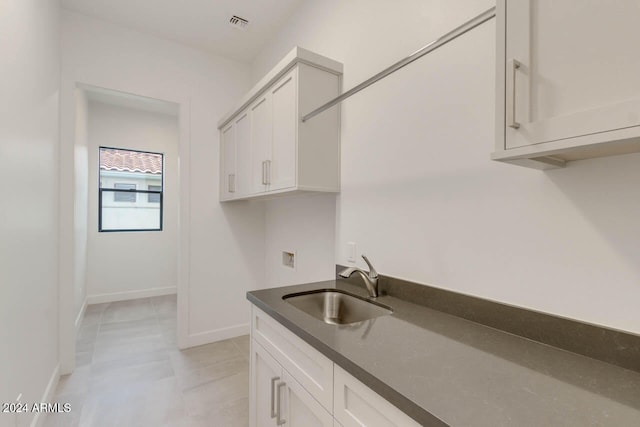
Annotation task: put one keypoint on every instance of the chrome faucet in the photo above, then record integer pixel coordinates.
(370, 279)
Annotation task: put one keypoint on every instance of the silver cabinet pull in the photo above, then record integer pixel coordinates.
(514, 64)
(264, 172)
(268, 179)
(273, 409)
(279, 419)
(232, 183)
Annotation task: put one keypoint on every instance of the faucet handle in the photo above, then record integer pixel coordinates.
(372, 271)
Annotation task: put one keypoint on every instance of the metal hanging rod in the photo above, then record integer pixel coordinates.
(451, 35)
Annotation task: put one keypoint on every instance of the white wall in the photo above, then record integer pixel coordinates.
(223, 243)
(304, 225)
(132, 263)
(29, 95)
(81, 206)
(419, 193)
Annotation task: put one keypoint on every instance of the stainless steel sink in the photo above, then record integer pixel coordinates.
(336, 307)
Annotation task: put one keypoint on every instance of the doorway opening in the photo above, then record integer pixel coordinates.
(113, 275)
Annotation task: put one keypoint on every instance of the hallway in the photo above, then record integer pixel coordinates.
(129, 372)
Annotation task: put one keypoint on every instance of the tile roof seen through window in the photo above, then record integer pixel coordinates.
(112, 159)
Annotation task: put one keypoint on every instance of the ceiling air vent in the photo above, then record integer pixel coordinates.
(239, 23)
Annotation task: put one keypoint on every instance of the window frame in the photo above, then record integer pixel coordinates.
(124, 191)
(135, 191)
(149, 195)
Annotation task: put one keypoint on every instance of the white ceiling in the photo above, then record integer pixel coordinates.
(203, 24)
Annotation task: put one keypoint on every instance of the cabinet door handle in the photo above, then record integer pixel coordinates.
(279, 419)
(514, 64)
(268, 179)
(264, 172)
(273, 409)
(232, 183)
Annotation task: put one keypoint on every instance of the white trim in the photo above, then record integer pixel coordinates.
(47, 396)
(184, 240)
(127, 295)
(216, 335)
(66, 227)
(80, 315)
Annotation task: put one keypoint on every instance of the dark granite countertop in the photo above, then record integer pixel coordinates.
(445, 370)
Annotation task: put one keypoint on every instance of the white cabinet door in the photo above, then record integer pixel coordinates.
(266, 373)
(310, 368)
(261, 137)
(282, 171)
(356, 405)
(299, 408)
(228, 175)
(243, 154)
(278, 399)
(571, 70)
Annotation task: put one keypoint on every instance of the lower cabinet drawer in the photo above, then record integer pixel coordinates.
(356, 405)
(309, 367)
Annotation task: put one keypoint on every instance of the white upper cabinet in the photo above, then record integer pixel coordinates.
(282, 169)
(567, 80)
(261, 139)
(234, 158)
(279, 153)
(243, 150)
(228, 162)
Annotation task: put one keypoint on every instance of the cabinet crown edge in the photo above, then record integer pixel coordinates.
(295, 56)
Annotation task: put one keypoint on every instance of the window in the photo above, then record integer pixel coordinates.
(123, 175)
(120, 196)
(154, 197)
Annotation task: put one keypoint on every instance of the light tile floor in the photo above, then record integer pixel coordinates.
(129, 372)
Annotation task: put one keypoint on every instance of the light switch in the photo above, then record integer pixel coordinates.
(351, 252)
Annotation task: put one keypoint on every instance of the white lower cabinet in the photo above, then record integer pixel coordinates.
(292, 384)
(356, 405)
(307, 365)
(265, 375)
(277, 399)
(299, 408)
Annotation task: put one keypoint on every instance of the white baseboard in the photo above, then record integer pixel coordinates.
(39, 418)
(123, 296)
(80, 316)
(208, 337)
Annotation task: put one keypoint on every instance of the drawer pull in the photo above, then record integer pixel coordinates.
(268, 174)
(232, 183)
(273, 410)
(279, 419)
(514, 65)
